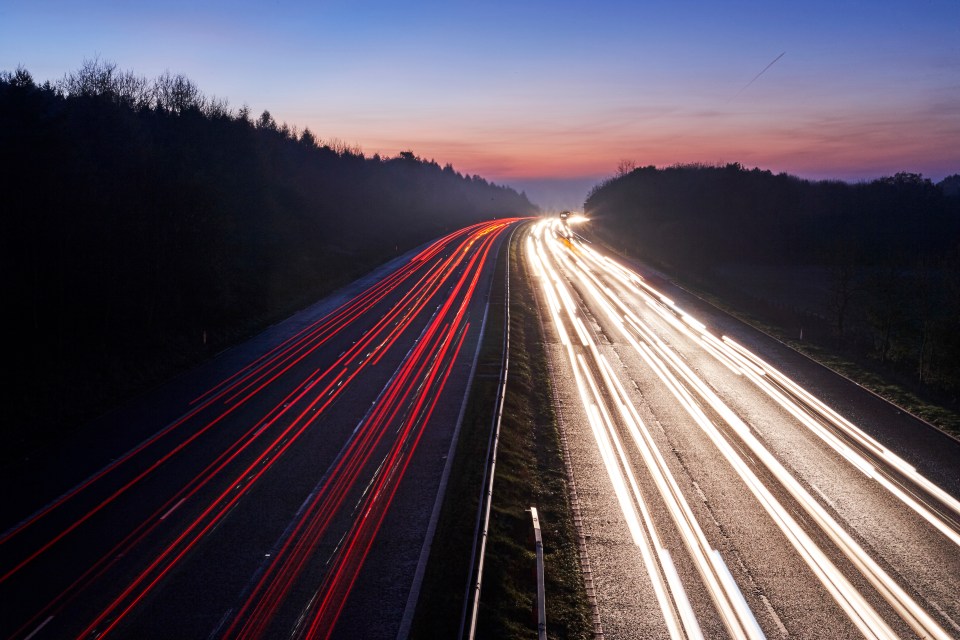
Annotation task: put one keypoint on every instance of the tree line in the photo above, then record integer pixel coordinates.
(885, 255)
(147, 225)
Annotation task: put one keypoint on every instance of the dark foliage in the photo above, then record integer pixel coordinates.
(887, 252)
(146, 225)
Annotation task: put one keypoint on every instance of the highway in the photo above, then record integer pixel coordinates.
(730, 488)
(281, 490)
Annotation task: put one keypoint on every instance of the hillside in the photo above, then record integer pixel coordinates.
(147, 226)
(869, 270)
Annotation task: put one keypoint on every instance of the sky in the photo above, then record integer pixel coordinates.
(551, 96)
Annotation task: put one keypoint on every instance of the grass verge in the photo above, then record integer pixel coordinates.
(939, 416)
(944, 418)
(530, 472)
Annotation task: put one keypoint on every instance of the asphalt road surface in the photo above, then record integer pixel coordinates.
(282, 490)
(730, 487)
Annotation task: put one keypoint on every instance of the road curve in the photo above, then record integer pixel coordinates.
(721, 495)
(282, 490)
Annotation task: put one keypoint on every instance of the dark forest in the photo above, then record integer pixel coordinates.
(147, 226)
(871, 270)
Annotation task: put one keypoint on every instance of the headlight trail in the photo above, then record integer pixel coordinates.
(552, 252)
(812, 412)
(940, 509)
(736, 616)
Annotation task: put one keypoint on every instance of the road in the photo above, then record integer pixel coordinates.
(282, 490)
(729, 487)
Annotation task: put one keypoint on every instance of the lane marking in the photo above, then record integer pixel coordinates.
(37, 630)
(173, 508)
(773, 616)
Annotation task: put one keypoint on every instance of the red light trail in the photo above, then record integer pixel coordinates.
(429, 296)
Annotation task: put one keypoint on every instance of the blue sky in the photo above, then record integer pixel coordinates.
(543, 91)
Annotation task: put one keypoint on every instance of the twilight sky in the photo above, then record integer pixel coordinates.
(551, 96)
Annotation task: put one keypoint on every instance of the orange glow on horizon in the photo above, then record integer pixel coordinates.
(843, 150)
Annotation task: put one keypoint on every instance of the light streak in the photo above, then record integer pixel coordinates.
(671, 596)
(447, 270)
(587, 268)
(418, 373)
(809, 410)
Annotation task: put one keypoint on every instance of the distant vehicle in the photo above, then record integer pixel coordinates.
(564, 215)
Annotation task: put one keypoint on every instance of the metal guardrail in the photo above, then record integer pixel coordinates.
(486, 498)
(574, 498)
(541, 588)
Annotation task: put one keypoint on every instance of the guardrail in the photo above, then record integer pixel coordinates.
(541, 588)
(486, 498)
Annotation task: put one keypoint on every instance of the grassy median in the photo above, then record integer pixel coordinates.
(530, 472)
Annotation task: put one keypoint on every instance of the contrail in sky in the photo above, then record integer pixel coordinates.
(744, 88)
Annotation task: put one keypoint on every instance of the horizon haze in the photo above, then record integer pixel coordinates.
(548, 97)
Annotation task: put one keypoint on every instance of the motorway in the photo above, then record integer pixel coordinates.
(282, 490)
(729, 488)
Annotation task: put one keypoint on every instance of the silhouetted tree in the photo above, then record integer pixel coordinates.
(141, 216)
(266, 121)
(885, 245)
(625, 167)
(177, 94)
(307, 138)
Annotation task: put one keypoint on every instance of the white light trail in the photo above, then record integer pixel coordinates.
(807, 411)
(587, 268)
(669, 590)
